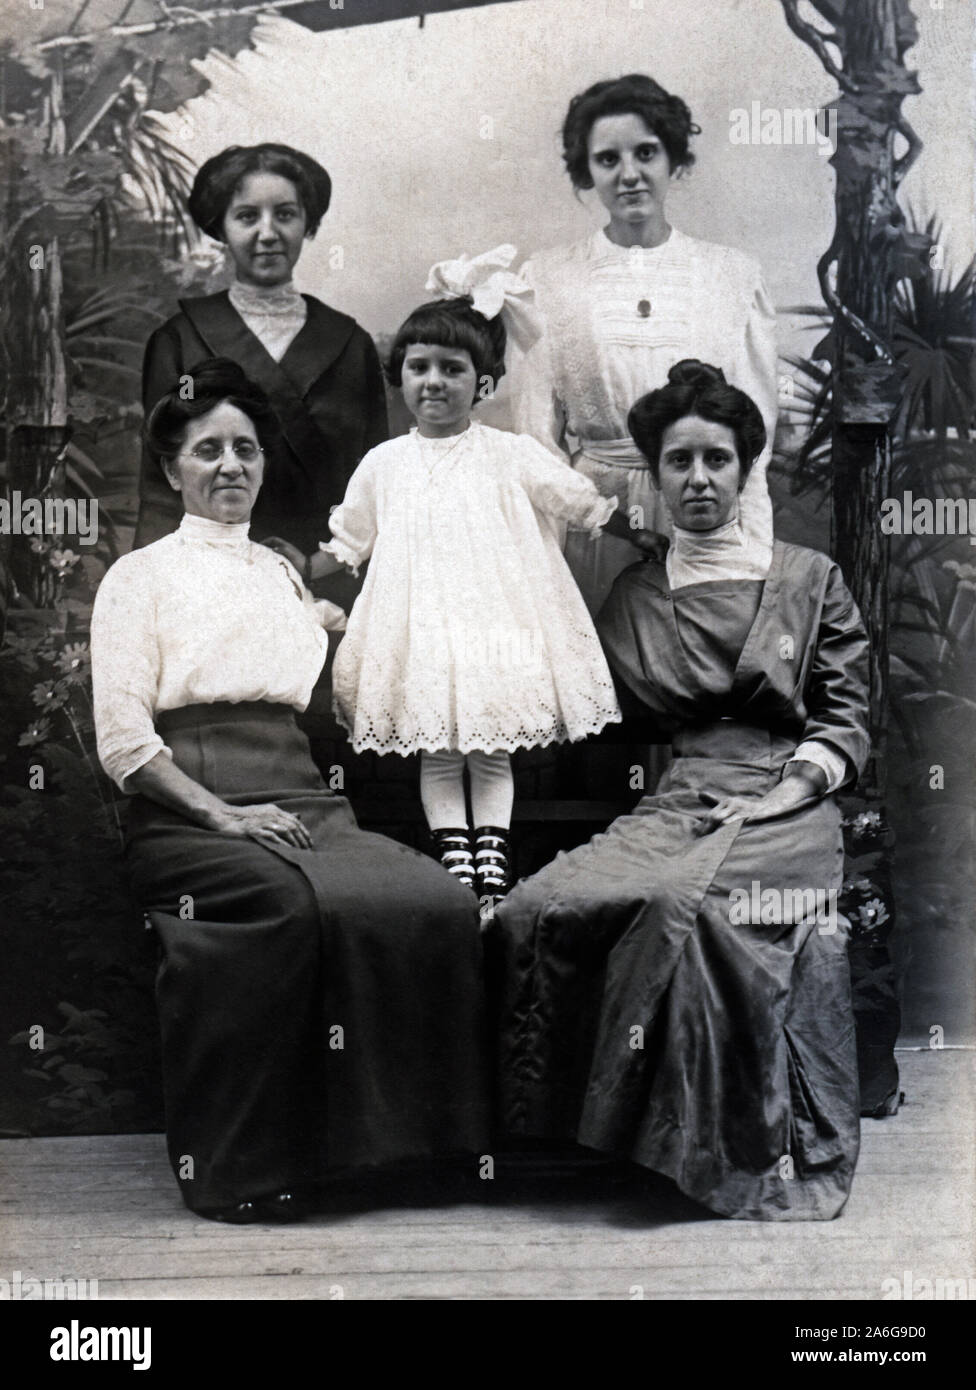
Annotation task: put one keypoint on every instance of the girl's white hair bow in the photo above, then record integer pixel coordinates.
(493, 289)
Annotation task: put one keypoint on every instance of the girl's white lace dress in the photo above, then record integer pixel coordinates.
(470, 632)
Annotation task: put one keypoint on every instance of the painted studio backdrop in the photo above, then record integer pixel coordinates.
(440, 133)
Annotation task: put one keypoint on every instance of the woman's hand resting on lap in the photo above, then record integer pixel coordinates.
(804, 785)
(162, 781)
(266, 823)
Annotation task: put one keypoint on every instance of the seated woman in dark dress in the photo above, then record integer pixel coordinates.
(320, 987)
(677, 991)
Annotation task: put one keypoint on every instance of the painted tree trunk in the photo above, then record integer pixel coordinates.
(36, 407)
(870, 252)
(37, 402)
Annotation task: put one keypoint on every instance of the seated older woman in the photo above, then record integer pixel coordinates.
(677, 990)
(320, 987)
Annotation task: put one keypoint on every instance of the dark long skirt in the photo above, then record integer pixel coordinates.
(319, 1009)
(642, 1017)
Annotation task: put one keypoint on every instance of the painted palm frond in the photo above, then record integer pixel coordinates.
(158, 175)
(808, 467)
(935, 338)
(104, 339)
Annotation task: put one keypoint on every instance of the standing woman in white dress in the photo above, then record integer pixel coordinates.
(623, 305)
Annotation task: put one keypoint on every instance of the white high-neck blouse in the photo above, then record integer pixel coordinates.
(275, 314)
(204, 614)
(725, 553)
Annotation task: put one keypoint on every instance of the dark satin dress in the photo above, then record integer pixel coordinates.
(641, 1016)
(327, 392)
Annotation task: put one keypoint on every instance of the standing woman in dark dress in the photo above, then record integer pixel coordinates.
(318, 367)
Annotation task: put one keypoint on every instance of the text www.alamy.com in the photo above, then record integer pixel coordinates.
(850, 1354)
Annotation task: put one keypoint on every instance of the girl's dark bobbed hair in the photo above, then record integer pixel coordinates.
(218, 179)
(634, 95)
(696, 388)
(452, 323)
(212, 382)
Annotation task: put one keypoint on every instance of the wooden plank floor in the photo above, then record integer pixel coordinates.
(106, 1208)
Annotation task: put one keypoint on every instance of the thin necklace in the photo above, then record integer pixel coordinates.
(430, 466)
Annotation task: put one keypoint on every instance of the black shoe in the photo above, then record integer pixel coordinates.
(453, 849)
(243, 1214)
(279, 1207)
(492, 853)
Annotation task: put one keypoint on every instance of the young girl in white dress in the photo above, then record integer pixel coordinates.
(470, 638)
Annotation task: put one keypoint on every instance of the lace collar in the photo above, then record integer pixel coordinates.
(272, 300)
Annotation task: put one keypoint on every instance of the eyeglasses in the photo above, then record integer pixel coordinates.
(245, 450)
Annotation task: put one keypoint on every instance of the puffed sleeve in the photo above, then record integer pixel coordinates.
(558, 491)
(354, 522)
(535, 406)
(836, 693)
(125, 669)
(756, 374)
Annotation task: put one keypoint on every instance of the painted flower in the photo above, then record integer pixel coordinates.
(206, 260)
(63, 561)
(873, 913)
(962, 571)
(38, 732)
(858, 885)
(867, 823)
(40, 546)
(49, 695)
(73, 659)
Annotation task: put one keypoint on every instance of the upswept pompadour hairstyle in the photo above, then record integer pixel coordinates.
(696, 388)
(215, 380)
(219, 177)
